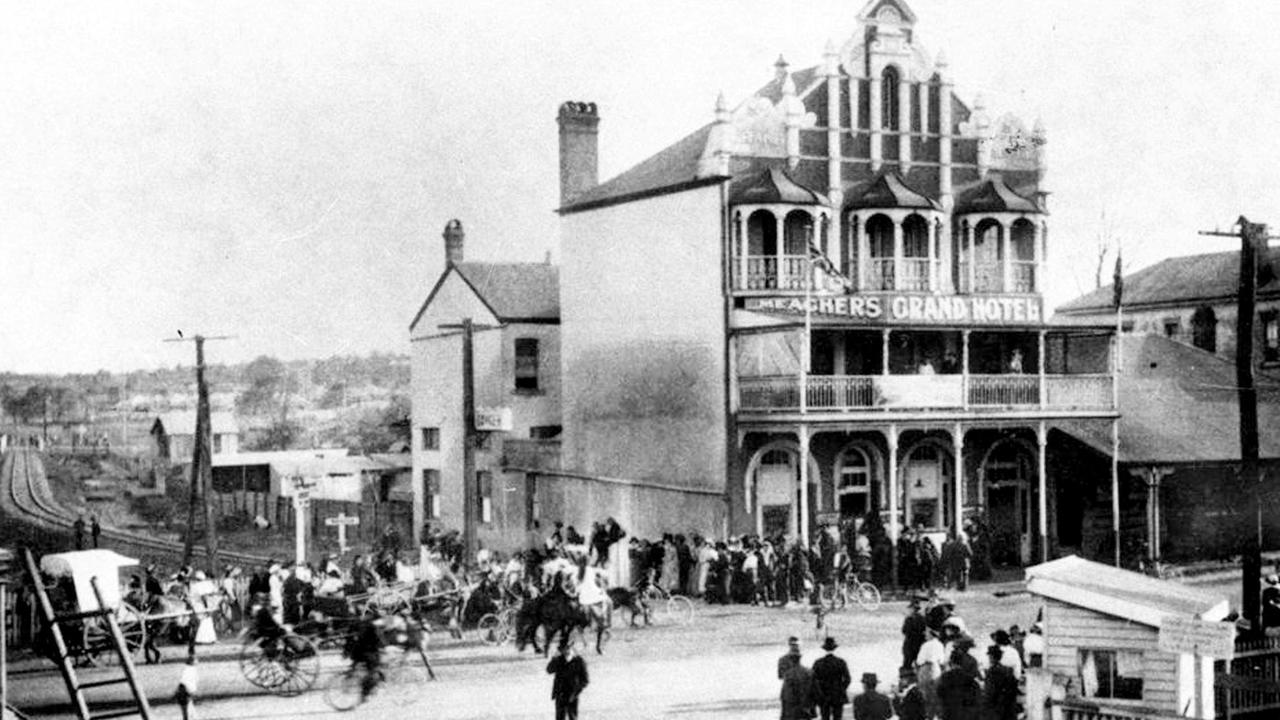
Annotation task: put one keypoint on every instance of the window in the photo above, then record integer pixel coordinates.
(544, 432)
(526, 363)
(430, 438)
(1271, 336)
(853, 491)
(889, 99)
(1172, 326)
(1111, 674)
(431, 493)
(217, 444)
(484, 485)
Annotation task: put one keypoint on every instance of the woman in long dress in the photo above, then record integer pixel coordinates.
(670, 565)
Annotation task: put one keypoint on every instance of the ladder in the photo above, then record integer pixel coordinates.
(76, 688)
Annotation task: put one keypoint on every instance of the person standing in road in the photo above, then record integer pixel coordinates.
(1271, 604)
(94, 529)
(870, 704)
(570, 672)
(797, 684)
(1000, 688)
(78, 526)
(914, 627)
(831, 682)
(791, 659)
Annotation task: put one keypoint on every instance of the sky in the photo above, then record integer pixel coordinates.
(282, 172)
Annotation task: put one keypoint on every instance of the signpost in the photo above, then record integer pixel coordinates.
(301, 502)
(342, 520)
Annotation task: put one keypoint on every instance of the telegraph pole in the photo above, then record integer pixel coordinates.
(468, 439)
(201, 466)
(1253, 238)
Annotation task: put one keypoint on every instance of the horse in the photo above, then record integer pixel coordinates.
(557, 613)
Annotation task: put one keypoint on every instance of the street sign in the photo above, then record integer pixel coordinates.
(342, 520)
(1197, 637)
(493, 419)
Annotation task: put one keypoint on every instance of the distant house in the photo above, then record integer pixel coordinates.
(1190, 299)
(1102, 631)
(174, 435)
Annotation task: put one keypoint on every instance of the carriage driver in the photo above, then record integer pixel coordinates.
(591, 586)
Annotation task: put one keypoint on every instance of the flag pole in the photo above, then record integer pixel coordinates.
(1118, 297)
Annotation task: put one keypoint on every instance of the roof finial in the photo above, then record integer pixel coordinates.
(941, 60)
(722, 108)
(781, 67)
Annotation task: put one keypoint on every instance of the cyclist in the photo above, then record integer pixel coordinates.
(364, 649)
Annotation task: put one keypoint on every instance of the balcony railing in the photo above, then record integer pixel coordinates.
(836, 393)
(915, 274)
(762, 272)
(880, 274)
(988, 277)
(1024, 276)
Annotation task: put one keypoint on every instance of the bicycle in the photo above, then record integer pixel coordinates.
(676, 608)
(396, 678)
(864, 593)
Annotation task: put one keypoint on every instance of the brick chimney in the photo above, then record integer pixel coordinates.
(453, 237)
(579, 166)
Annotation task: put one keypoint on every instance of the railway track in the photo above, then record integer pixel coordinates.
(26, 499)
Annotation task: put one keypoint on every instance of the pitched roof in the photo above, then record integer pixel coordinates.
(889, 190)
(1176, 281)
(184, 423)
(1178, 404)
(672, 167)
(1122, 593)
(993, 194)
(515, 291)
(772, 185)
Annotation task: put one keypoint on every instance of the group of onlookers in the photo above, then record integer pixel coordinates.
(945, 676)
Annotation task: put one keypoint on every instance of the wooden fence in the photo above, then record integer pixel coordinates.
(1249, 684)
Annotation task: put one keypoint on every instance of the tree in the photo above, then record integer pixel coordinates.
(281, 434)
(269, 385)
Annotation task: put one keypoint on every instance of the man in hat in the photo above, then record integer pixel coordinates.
(870, 704)
(913, 631)
(999, 688)
(570, 672)
(797, 684)
(831, 682)
(1271, 603)
(937, 615)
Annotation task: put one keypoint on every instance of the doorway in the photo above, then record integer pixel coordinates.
(1007, 472)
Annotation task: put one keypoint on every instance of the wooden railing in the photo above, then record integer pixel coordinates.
(1250, 682)
(1004, 390)
(828, 393)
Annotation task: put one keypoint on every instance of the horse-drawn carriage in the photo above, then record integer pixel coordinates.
(66, 581)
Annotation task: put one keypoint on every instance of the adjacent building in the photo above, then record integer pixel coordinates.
(1189, 299)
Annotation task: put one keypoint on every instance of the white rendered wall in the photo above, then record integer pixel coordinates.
(643, 336)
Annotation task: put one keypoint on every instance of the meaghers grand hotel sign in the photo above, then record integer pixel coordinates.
(927, 309)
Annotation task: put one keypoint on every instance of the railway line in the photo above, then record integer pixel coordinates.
(27, 504)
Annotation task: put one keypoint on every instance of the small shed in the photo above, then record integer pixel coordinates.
(1118, 640)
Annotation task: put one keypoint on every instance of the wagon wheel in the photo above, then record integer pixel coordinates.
(679, 609)
(491, 630)
(286, 665)
(97, 634)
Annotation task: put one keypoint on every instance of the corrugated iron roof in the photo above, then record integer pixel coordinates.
(1177, 281)
(1178, 404)
(993, 194)
(672, 167)
(772, 185)
(889, 190)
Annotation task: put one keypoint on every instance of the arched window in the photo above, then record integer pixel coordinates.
(1204, 329)
(880, 237)
(799, 233)
(915, 237)
(1022, 235)
(889, 99)
(855, 490)
(762, 233)
(988, 254)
